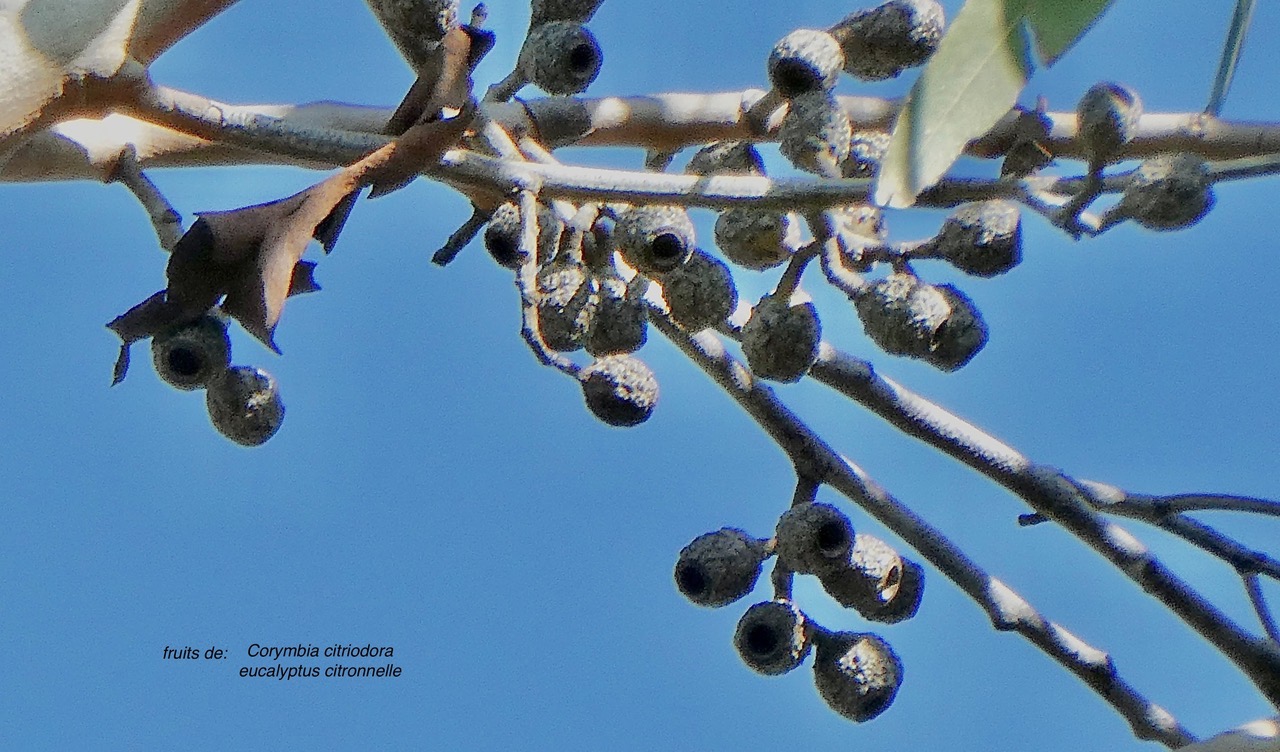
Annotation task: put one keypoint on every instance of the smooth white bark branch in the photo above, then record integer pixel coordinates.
(330, 134)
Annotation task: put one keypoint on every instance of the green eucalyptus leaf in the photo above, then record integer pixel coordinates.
(1058, 25)
(972, 81)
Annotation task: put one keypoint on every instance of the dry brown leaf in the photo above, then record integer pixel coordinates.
(420, 146)
(445, 79)
(250, 259)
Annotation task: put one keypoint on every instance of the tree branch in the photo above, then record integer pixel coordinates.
(1054, 495)
(329, 134)
(1008, 611)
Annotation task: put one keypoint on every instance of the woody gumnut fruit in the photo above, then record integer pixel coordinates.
(191, 356)
(1168, 192)
(726, 158)
(805, 60)
(564, 304)
(866, 152)
(699, 293)
(982, 238)
(720, 567)
(772, 637)
(620, 390)
(244, 405)
(502, 234)
(813, 538)
(879, 43)
(780, 340)
(934, 323)
(757, 238)
(619, 324)
(882, 585)
(542, 11)
(1106, 118)
(561, 57)
(815, 134)
(749, 237)
(856, 673)
(416, 27)
(654, 239)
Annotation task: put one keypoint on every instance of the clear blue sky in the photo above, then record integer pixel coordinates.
(435, 490)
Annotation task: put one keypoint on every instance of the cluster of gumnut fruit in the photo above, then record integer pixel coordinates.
(599, 270)
(602, 271)
(243, 401)
(856, 673)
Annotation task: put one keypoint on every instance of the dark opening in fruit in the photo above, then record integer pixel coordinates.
(185, 362)
(668, 249)
(833, 539)
(582, 58)
(692, 581)
(762, 640)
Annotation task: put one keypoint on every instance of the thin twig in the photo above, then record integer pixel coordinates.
(506, 88)
(806, 490)
(1104, 498)
(1231, 48)
(1179, 503)
(1166, 512)
(164, 218)
(527, 283)
(658, 160)
(461, 237)
(782, 580)
(1256, 597)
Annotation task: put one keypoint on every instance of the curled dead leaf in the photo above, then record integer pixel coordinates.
(249, 260)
